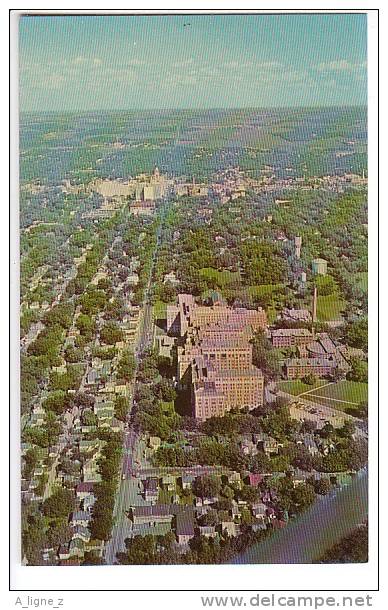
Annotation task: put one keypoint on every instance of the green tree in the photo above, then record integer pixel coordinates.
(57, 402)
(279, 424)
(322, 487)
(265, 357)
(249, 494)
(356, 333)
(121, 408)
(207, 486)
(359, 370)
(310, 379)
(111, 333)
(59, 504)
(126, 366)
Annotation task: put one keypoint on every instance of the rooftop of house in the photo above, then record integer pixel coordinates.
(309, 362)
(156, 510)
(291, 332)
(81, 516)
(185, 523)
(150, 485)
(207, 529)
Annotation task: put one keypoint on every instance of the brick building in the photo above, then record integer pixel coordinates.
(300, 367)
(289, 337)
(215, 360)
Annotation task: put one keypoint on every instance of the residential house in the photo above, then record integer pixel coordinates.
(187, 480)
(235, 509)
(151, 490)
(76, 548)
(248, 447)
(89, 502)
(154, 514)
(184, 526)
(300, 476)
(268, 444)
(234, 478)
(84, 489)
(255, 479)
(90, 471)
(230, 528)
(310, 444)
(168, 482)
(154, 443)
(205, 501)
(63, 552)
(259, 511)
(208, 531)
(80, 518)
(79, 531)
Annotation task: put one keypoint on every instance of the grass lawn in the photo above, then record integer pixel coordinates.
(330, 307)
(221, 277)
(343, 395)
(257, 290)
(348, 391)
(160, 310)
(296, 386)
(165, 496)
(186, 497)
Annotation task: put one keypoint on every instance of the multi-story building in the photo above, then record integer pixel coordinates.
(288, 337)
(187, 314)
(216, 357)
(215, 391)
(297, 368)
(223, 352)
(296, 315)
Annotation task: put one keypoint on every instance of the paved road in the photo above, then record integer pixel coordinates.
(129, 491)
(146, 332)
(129, 494)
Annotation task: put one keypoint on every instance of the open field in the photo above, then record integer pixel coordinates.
(343, 395)
(348, 392)
(160, 309)
(296, 386)
(191, 142)
(330, 307)
(222, 278)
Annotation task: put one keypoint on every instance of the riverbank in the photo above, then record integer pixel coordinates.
(310, 535)
(350, 549)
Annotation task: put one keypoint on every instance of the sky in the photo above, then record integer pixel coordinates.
(81, 63)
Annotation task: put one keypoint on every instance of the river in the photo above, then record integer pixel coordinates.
(307, 537)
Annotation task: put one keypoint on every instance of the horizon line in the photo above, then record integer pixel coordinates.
(203, 108)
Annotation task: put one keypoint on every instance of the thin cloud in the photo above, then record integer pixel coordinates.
(340, 65)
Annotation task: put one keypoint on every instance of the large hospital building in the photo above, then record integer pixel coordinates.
(215, 357)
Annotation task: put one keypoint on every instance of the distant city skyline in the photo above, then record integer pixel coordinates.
(92, 63)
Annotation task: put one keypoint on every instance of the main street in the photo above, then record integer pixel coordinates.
(134, 450)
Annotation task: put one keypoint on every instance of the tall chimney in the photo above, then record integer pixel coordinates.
(298, 245)
(314, 312)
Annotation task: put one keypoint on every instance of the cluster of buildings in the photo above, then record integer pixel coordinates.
(79, 442)
(214, 357)
(142, 192)
(188, 521)
(319, 356)
(163, 510)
